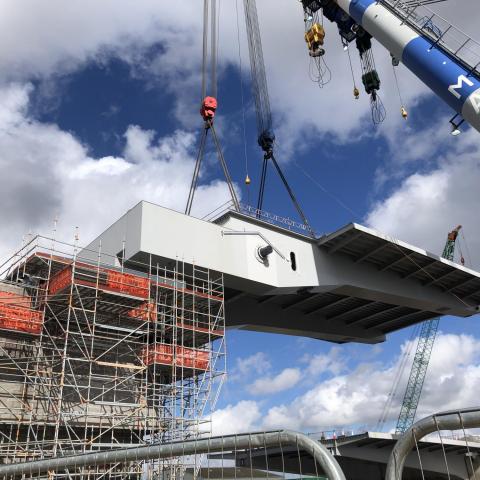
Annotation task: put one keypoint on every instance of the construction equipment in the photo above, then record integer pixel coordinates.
(314, 37)
(421, 360)
(370, 77)
(266, 135)
(439, 54)
(209, 105)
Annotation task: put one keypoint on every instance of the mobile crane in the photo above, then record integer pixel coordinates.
(445, 59)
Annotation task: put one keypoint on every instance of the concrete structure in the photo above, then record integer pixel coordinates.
(352, 285)
(94, 358)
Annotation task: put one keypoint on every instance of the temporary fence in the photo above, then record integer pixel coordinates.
(214, 457)
(408, 444)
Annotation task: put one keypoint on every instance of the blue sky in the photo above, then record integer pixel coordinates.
(99, 110)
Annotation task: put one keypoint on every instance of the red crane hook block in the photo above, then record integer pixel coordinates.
(208, 109)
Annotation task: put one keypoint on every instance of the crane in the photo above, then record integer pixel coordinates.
(423, 352)
(445, 59)
(209, 105)
(266, 134)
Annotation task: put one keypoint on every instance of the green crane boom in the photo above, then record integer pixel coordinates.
(421, 360)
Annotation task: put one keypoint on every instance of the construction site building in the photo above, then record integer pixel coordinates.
(95, 356)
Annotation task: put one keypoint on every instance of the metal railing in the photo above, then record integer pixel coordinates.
(452, 420)
(325, 461)
(272, 218)
(440, 31)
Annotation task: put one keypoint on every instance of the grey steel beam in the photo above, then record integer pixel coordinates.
(420, 268)
(344, 242)
(461, 284)
(321, 455)
(376, 314)
(368, 303)
(471, 294)
(301, 300)
(441, 277)
(452, 420)
(404, 256)
(391, 321)
(371, 252)
(331, 304)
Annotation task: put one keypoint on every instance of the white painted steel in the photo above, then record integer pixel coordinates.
(388, 29)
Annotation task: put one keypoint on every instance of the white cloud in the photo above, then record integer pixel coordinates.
(51, 174)
(358, 397)
(424, 207)
(286, 379)
(245, 367)
(46, 40)
(245, 416)
(332, 362)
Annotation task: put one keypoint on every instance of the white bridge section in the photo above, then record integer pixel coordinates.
(352, 285)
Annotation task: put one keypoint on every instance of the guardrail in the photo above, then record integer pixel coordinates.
(451, 420)
(221, 444)
(440, 31)
(272, 218)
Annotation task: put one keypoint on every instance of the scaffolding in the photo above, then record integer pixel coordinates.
(98, 353)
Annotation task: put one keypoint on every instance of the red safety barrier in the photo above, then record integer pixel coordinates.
(159, 353)
(115, 281)
(11, 298)
(192, 358)
(163, 354)
(20, 319)
(146, 312)
(128, 283)
(60, 281)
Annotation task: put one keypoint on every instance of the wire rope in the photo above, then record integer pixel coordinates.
(397, 85)
(359, 217)
(466, 247)
(355, 88)
(398, 376)
(242, 95)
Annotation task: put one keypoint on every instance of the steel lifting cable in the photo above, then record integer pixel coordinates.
(403, 111)
(393, 240)
(242, 95)
(213, 49)
(209, 103)
(356, 91)
(466, 247)
(205, 50)
(398, 377)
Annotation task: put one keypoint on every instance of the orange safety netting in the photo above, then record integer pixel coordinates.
(20, 319)
(128, 283)
(180, 356)
(147, 312)
(116, 281)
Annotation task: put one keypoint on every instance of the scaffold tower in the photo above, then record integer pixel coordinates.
(95, 355)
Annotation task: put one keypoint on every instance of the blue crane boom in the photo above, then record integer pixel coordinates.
(438, 53)
(423, 353)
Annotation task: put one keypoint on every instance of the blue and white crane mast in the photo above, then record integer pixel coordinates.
(445, 73)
